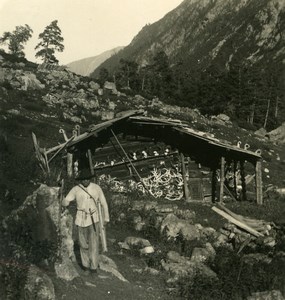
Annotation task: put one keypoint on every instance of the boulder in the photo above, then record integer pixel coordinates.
(137, 244)
(30, 81)
(180, 266)
(107, 115)
(38, 285)
(174, 226)
(267, 295)
(94, 86)
(41, 211)
(261, 132)
(277, 135)
(203, 254)
(223, 117)
(108, 265)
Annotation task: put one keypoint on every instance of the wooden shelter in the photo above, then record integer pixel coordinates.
(130, 144)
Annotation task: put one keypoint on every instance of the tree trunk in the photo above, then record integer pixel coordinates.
(276, 107)
(251, 118)
(266, 115)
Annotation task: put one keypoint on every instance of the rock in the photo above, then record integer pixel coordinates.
(138, 222)
(261, 132)
(203, 254)
(222, 240)
(185, 214)
(137, 242)
(180, 266)
(108, 265)
(30, 81)
(223, 117)
(208, 232)
(277, 135)
(14, 112)
(73, 119)
(151, 271)
(267, 295)
(174, 226)
(173, 256)
(107, 115)
(65, 269)
(112, 105)
(94, 86)
(38, 285)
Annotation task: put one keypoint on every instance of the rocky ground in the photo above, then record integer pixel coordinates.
(42, 101)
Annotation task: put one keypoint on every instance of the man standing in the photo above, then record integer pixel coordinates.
(88, 195)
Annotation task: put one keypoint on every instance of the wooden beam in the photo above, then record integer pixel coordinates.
(222, 178)
(184, 176)
(236, 222)
(258, 182)
(60, 149)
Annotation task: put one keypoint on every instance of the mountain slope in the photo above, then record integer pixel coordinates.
(203, 32)
(225, 57)
(86, 66)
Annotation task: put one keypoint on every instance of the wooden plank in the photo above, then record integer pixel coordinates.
(258, 183)
(236, 222)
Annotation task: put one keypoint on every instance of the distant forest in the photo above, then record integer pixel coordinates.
(251, 95)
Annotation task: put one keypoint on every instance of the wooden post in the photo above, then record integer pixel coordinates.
(90, 161)
(258, 182)
(235, 178)
(214, 184)
(243, 183)
(222, 178)
(69, 165)
(184, 176)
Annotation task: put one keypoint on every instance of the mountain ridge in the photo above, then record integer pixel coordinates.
(88, 65)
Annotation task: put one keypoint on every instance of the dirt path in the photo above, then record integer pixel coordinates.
(104, 285)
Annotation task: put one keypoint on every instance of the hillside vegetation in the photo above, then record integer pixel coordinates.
(217, 56)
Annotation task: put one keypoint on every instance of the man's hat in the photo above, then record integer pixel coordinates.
(84, 174)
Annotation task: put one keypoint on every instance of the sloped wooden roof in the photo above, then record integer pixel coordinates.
(135, 122)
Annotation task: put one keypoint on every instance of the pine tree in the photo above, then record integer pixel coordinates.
(51, 41)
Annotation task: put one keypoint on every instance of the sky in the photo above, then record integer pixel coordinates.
(89, 27)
